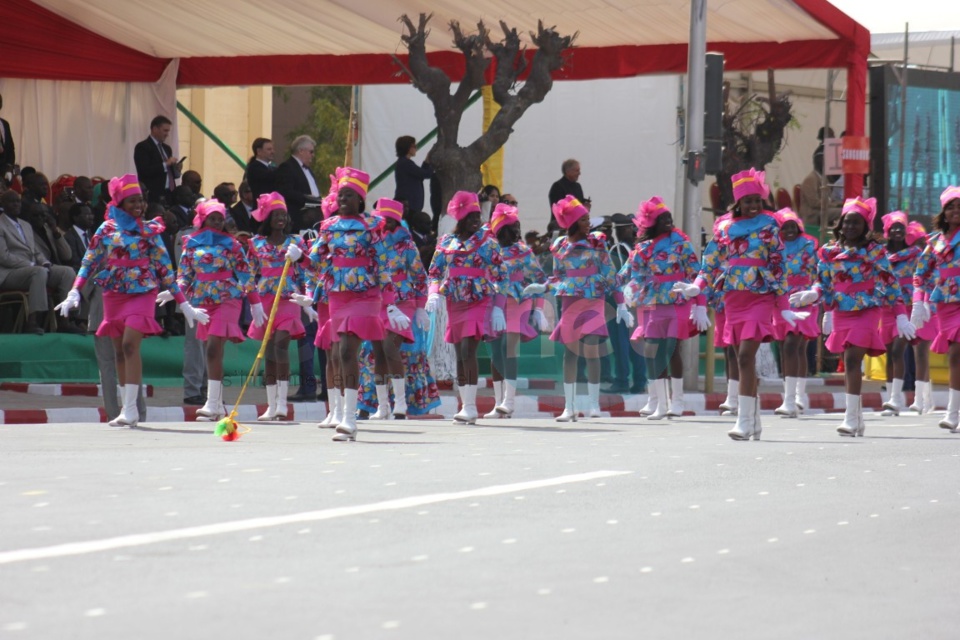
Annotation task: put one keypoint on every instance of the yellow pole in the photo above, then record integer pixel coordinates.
(492, 168)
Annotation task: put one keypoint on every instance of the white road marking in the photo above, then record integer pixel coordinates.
(142, 539)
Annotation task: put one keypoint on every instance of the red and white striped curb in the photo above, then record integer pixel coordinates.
(65, 389)
(525, 407)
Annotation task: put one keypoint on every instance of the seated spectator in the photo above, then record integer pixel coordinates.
(241, 212)
(183, 201)
(46, 234)
(193, 180)
(226, 194)
(83, 190)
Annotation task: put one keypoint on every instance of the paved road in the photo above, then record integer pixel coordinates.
(604, 529)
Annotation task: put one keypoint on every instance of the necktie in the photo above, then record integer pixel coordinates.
(20, 230)
(171, 185)
(83, 236)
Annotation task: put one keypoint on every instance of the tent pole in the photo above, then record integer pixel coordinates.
(903, 115)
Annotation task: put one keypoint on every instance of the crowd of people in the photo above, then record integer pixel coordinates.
(276, 260)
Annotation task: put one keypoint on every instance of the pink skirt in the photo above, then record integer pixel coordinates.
(469, 320)
(134, 310)
(323, 339)
(287, 319)
(579, 317)
(856, 329)
(638, 333)
(749, 317)
(409, 308)
(224, 321)
(947, 318)
(888, 325)
(719, 322)
(668, 321)
(357, 314)
(928, 332)
(808, 328)
(518, 319)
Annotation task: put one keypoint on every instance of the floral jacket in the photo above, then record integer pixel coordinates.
(468, 270)
(402, 262)
(213, 268)
(350, 256)
(937, 277)
(583, 269)
(851, 279)
(659, 263)
(523, 268)
(268, 260)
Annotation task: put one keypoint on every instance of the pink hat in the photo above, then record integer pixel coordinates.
(892, 218)
(123, 187)
(354, 179)
(387, 208)
(205, 208)
(786, 215)
(462, 204)
(950, 193)
(866, 209)
(266, 204)
(503, 215)
(329, 204)
(915, 231)
(649, 211)
(568, 211)
(749, 183)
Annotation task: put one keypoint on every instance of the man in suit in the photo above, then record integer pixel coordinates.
(157, 167)
(296, 181)
(243, 210)
(261, 173)
(23, 266)
(8, 153)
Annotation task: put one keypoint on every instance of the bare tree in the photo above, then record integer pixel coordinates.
(459, 167)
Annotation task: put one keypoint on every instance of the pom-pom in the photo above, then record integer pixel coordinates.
(227, 429)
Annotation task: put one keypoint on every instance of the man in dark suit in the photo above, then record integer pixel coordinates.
(242, 211)
(261, 173)
(157, 167)
(296, 182)
(8, 153)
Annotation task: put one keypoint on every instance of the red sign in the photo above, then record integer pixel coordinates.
(856, 154)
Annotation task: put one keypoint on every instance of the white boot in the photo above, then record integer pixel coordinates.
(852, 417)
(271, 412)
(383, 403)
(333, 401)
(347, 428)
(505, 409)
(757, 427)
(399, 398)
(789, 407)
(662, 403)
(895, 404)
(282, 399)
(676, 398)
(802, 401)
(652, 399)
(593, 393)
(950, 420)
(747, 413)
(129, 416)
(730, 405)
(497, 399)
(468, 412)
(929, 406)
(918, 397)
(213, 408)
(569, 403)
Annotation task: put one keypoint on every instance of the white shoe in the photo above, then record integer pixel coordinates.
(333, 399)
(593, 393)
(929, 406)
(129, 416)
(399, 398)
(744, 428)
(347, 429)
(497, 399)
(213, 409)
(789, 407)
(505, 408)
(895, 404)
(569, 403)
(917, 404)
(271, 412)
(468, 410)
(652, 400)
(282, 399)
(852, 424)
(730, 402)
(662, 403)
(951, 418)
(676, 399)
(383, 403)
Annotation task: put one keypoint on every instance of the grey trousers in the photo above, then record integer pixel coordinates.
(194, 363)
(107, 363)
(37, 279)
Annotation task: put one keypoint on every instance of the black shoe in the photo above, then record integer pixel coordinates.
(615, 389)
(194, 400)
(638, 388)
(322, 396)
(303, 396)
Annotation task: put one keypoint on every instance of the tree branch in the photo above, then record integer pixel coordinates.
(427, 79)
(473, 48)
(511, 63)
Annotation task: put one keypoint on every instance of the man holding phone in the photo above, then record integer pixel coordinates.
(157, 167)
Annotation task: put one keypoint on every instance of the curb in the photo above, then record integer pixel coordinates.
(67, 389)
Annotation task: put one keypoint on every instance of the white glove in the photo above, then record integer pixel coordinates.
(497, 322)
(699, 316)
(72, 301)
(293, 253)
(804, 298)
(259, 315)
(534, 288)
(827, 325)
(301, 300)
(433, 301)
(791, 317)
(422, 318)
(905, 328)
(538, 319)
(164, 297)
(398, 319)
(312, 315)
(192, 315)
(624, 315)
(686, 289)
(630, 294)
(920, 314)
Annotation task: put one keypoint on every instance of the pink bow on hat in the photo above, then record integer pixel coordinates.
(387, 208)
(748, 183)
(503, 215)
(123, 187)
(950, 193)
(892, 218)
(354, 179)
(205, 208)
(267, 203)
(568, 211)
(649, 211)
(786, 215)
(462, 204)
(915, 231)
(866, 209)
(329, 205)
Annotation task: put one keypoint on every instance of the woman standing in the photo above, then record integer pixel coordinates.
(663, 257)
(923, 395)
(467, 270)
(800, 264)
(937, 281)
(855, 280)
(127, 258)
(524, 312)
(270, 248)
(215, 274)
(409, 176)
